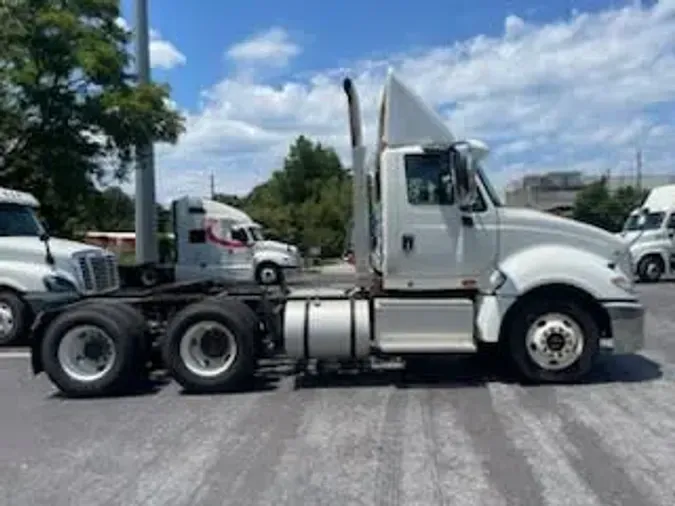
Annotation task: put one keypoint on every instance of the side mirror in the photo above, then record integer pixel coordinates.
(642, 217)
(44, 236)
(462, 167)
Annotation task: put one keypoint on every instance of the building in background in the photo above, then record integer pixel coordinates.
(556, 191)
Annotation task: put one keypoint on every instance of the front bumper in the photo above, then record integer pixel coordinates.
(627, 320)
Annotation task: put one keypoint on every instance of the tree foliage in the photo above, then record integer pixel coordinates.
(598, 206)
(306, 202)
(70, 111)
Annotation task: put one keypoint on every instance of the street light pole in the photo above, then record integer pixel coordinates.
(146, 219)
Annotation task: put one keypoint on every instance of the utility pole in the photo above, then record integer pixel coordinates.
(213, 187)
(146, 219)
(638, 169)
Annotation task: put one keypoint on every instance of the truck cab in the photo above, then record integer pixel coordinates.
(649, 231)
(443, 267)
(35, 267)
(218, 241)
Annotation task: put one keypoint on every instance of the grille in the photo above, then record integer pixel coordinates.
(98, 271)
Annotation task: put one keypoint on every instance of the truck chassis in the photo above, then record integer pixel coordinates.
(207, 336)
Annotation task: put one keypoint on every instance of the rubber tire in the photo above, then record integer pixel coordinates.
(150, 271)
(136, 327)
(21, 317)
(233, 315)
(106, 316)
(277, 269)
(525, 367)
(644, 263)
(229, 304)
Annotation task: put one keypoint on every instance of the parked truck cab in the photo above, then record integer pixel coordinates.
(215, 240)
(456, 270)
(649, 231)
(35, 267)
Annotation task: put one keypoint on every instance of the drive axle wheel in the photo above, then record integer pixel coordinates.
(90, 351)
(209, 346)
(553, 341)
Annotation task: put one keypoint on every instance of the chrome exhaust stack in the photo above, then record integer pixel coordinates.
(360, 213)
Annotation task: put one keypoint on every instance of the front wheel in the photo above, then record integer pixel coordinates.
(650, 269)
(553, 341)
(268, 273)
(14, 318)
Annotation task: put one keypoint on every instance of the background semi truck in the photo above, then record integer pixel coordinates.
(446, 270)
(216, 240)
(650, 232)
(36, 267)
(211, 240)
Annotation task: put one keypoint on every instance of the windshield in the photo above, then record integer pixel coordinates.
(652, 221)
(492, 193)
(256, 233)
(19, 221)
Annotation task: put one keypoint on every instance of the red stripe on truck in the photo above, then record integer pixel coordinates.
(220, 241)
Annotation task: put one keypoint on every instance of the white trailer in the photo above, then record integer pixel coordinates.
(444, 269)
(36, 268)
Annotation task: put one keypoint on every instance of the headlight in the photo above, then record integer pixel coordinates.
(54, 283)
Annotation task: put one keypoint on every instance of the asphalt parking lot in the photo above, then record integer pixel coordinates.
(457, 437)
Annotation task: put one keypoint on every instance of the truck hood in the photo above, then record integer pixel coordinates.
(629, 236)
(34, 246)
(546, 227)
(281, 247)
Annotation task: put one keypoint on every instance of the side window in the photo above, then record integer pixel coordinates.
(239, 234)
(428, 179)
(671, 221)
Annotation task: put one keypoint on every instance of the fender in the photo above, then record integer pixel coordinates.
(543, 265)
(277, 257)
(548, 264)
(641, 250)
(26, 276)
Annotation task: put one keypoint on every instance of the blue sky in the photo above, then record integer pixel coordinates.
(566, 84)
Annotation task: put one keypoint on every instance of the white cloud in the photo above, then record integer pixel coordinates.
(163, 54)
(579, 93)
(272, 47)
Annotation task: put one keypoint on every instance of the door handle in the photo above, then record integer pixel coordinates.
(408, 242)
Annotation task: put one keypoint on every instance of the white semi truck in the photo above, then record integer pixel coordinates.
(215, 240)
(211, 240)
(36, 268)
(445, 269)
(649, 231)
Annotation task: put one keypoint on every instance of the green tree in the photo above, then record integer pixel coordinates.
(113, 211)
(596, 205)
(306, 202)
(70, 111)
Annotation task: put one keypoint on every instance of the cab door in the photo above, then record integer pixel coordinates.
(432, 244)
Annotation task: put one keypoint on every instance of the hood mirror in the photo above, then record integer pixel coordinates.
(463, 173)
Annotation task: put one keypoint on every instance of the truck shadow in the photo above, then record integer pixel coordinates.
(452, 372)
(472, 372)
